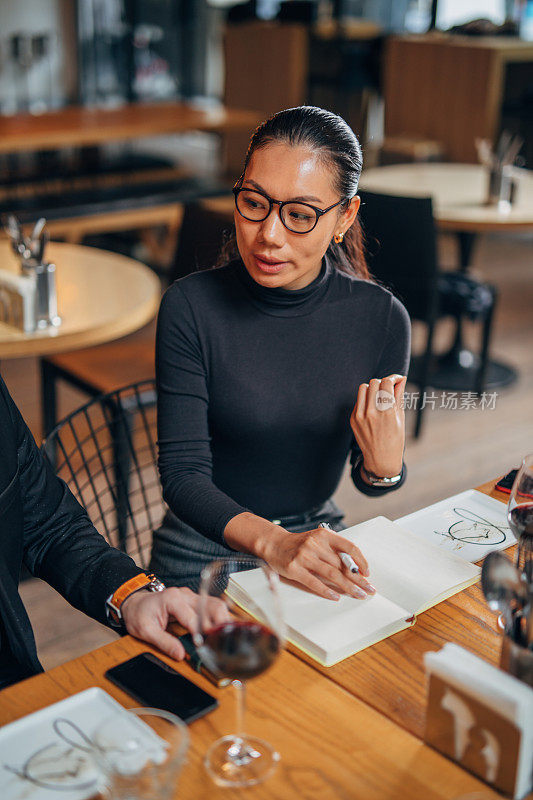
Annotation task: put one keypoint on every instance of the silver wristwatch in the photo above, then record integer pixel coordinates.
(377, 480)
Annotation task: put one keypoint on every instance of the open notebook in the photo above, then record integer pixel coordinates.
(410, 576)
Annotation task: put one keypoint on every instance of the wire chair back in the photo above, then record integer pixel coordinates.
(105, 452)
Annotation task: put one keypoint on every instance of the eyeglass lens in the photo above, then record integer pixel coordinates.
(297, 217)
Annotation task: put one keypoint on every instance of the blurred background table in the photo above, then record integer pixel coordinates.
(458, 192)
(101, 297)
(79, 126)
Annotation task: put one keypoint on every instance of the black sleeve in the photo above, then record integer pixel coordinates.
(394, 358)
(60, 544)
(185, 459)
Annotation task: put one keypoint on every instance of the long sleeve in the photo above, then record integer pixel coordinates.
(60, 544)
(185, 458)
(394, 358)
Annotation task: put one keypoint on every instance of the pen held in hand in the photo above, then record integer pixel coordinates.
(346, 559)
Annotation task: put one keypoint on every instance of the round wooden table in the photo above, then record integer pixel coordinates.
(101, 296)
(458, 192)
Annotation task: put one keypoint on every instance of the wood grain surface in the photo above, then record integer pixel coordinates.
(77, 126)
(450, 89)
(332, 746)
(390, 675)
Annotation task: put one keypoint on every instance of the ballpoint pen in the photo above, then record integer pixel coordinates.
(346, 559)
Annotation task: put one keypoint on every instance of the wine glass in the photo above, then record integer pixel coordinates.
(520, 516)
(140, 753)
(240, 649)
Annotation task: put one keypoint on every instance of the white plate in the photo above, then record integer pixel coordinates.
(51, 746)
(470, 524)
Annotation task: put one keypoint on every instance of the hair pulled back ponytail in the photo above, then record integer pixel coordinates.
(336, 144)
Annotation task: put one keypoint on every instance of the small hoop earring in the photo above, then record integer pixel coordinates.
(338, 238)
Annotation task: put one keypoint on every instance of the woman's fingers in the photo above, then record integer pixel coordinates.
(327, 583)
(371, 395)
(399, 389)
(320, 555)
(394, 385)
(342, 545)
(312, 559)
(360, 405)
(346, 583)
(305, 578)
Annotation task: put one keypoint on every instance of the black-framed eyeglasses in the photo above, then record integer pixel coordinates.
(255, 206)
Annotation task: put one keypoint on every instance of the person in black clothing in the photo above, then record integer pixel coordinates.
(42, 525)
(276, 366)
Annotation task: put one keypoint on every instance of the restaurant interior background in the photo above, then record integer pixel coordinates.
(413, 97)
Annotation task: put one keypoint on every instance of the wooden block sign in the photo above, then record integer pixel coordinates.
(476, 737)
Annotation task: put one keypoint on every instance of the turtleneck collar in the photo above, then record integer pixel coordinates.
(281, 302)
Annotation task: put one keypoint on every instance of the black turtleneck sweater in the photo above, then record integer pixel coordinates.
(256, 387)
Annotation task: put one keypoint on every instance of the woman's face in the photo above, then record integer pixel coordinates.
(274, 256)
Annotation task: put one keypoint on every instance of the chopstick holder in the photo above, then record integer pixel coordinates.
(482, 718)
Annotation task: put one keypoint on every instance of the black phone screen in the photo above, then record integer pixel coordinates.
(506, 483)
(155, 684)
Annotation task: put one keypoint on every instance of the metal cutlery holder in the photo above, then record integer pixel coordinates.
(517, 660)
(501, 188)
(46, 293)
(29, 300)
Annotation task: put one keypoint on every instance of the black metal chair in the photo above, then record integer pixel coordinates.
(101, 369)
(401, 247)
(105, 452)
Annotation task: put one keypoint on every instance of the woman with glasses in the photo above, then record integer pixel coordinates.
(277, 366)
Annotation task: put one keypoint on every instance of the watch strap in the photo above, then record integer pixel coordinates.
(136, 584)
(378, 480)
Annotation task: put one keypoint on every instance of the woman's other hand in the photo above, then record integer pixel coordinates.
(378, 424)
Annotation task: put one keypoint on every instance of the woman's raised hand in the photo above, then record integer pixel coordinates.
(378, 424)
(312, 559)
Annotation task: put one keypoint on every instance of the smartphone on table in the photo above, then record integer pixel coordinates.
(153, 683)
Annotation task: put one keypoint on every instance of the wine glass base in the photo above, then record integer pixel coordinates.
(232, 761)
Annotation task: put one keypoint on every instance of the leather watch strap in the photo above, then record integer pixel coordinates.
(135, 584)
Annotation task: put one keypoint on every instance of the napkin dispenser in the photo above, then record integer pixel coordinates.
(482, 718)
(29, 300)
(18, 300)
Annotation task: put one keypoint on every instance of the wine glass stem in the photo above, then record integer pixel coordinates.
(240, 691)
(239, 753)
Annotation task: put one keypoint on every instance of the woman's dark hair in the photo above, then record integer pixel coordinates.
(333, 140)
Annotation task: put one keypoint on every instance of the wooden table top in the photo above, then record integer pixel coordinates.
(79, 126)
(458, 192)
(390, 675)
(101, 297)
(332, 746)
(512, 47)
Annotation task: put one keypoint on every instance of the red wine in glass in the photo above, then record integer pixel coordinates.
(521, 524)
(240, 649)
(521, 520)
